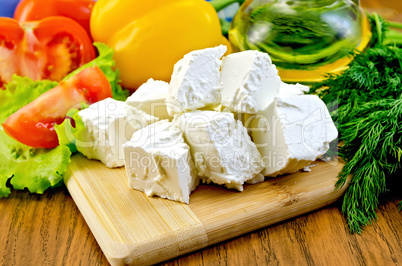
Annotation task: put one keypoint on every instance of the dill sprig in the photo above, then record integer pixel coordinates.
(372, 152)
(366, 102)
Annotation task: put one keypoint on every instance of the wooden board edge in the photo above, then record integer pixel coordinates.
(119, 253)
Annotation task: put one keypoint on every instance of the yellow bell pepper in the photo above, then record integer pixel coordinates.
(149, 37)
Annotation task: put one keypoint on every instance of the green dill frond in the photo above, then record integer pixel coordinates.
(378, 27)
(366, 102)
(372, 151)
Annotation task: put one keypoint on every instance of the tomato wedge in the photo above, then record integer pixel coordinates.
(46, 49)
(11, 34)
(33, 124)
(78, 10)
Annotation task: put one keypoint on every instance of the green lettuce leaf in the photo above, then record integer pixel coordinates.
(35, 169)
(106, 63)
(27, 167)
(67, 132)
(39, 169)
(19, 92)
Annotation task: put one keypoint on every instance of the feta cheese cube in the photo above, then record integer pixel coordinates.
(150, 97)
(222, 151)
(292, 89)
(109, 124)
(292, 132)
(195, 81)
(249, 81)
(158, 162)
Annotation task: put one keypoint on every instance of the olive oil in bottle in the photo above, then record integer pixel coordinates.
(305, 38)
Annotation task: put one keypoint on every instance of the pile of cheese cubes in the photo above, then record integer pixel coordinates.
(228, 121)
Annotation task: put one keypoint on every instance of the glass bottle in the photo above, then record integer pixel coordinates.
(304, 38)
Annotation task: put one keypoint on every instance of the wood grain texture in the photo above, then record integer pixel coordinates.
(319, 238)
(226, 214)
(49, 230)
(45, 229)
(132, 228)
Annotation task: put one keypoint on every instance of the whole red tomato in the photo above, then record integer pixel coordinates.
(46, 49)
(78, 10)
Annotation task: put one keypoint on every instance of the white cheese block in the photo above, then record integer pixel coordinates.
(109, 124)
(150, 97)
(292, 132)
(292, 89)
(222, 151)
(195, 81)
(249, 81)
(158, 162)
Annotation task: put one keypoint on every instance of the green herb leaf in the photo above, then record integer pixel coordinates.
(366, 102)
(372, 152)
(383, 32)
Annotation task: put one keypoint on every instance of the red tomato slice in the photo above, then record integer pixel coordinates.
(78, 10)
(46, 49)
(33, 124)
(11, 35)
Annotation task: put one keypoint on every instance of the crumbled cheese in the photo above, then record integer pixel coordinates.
(292, 132)
(222, 150)
(195, 81)
(292, 89)
(158, 162)
(150, 97)
(308, 167)
(109, 124)
(249, 81)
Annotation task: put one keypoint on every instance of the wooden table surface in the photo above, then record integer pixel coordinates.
(48, 229)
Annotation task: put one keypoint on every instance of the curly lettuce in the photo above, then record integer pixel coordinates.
(19, 92)
(21, 165)
(27, 167)
(71, 127)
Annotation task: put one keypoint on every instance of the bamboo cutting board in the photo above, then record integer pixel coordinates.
(132, 228)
